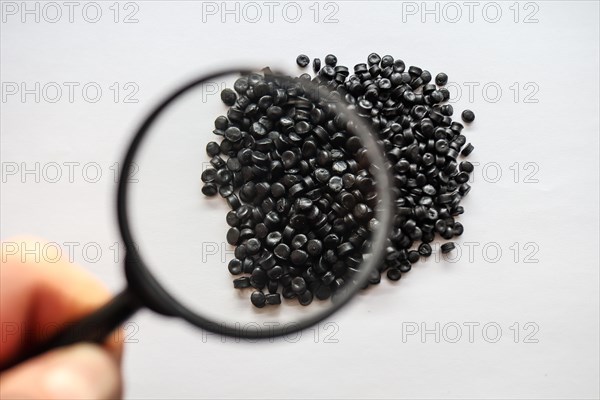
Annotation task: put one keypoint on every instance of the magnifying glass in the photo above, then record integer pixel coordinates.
(263, 233)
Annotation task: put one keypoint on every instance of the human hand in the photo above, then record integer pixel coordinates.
(36, 295)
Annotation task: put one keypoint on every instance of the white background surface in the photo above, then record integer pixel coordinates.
(373, 356)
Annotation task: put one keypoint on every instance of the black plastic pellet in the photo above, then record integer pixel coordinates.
(258, 299)
(258, 279)
(413, 256)
(305, 298)
(328, 278)
(233, 164)
(331, 241)
(240, 252)
(468, 116)
(273, 239)
(426, 76)
(405, 267)
(361, 212)
(345, 249)
(440, 225)
(331, 60)
(335, 184)
(233, 134)
(223, 176)
(373, 59)
(233, 236)
(213, 149)
(387, 61)
(247, 264)
(458, 229)
(287, 293)
(232, 219)
(235, 266)
(302, 60)
(441, 79)
(289, 159)
(399, 66)
(275, 273)
(267, 261)
(322, 175)
(273, 298)
(299, 241)
(288, 233)
(217, 162)
(461, 177)
(327, 72)
(467, 150)
(314, 247)
(425, 249)
(316, 65)
(241, 283)
(415, 71)
(253, 246)
(447, 247)
(374, 277)
(441, 146)
(277, 189)
(302, 128)
(261, 231)
(241, 85)
(282, 251)
(298, 285)
(233, 201)
(466, 166)
(298, 222)
(463, 189)
(298, 257)
(258, 129)
(394, 274)
(304, 204)
(272, 220)
(210, 189)
(323, 292)
(265, 102)
(296, 190)
(272, 286)
(226, 190)
(208, 175)
(221, 122)
(228, 97)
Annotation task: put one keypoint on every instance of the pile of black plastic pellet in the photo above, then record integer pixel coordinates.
(299, 186)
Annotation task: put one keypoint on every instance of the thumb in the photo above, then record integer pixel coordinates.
(81, 371)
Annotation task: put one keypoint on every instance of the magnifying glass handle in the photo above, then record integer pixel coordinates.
(93, 328)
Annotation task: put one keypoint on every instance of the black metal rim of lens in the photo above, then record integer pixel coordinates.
(154, 296)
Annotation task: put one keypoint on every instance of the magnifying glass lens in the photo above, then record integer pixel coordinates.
(255, 199)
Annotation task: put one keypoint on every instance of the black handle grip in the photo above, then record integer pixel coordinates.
(92, 328)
